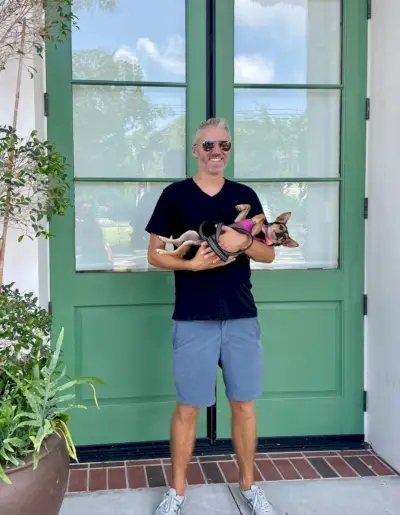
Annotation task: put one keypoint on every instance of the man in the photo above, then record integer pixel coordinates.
(215, 317)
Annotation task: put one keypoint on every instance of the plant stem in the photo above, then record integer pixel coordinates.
(6, 217)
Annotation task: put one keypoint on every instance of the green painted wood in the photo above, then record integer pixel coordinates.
(135, 84)
(126, 179)
(296, 180)
(312, 320)
(288, 86)
(117, 325)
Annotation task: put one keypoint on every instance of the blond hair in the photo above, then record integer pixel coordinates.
(212, 122)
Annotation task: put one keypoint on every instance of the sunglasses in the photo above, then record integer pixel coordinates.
(224, 145)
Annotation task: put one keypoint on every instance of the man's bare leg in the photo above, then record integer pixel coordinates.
(183, 433)
(244, 434)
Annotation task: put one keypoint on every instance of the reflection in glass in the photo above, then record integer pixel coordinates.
(314, 223)
(110, 221)
(129, 40)
(129, 131)
(287, 41)
(287, 133)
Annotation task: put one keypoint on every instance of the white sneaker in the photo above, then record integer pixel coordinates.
(257, 501)
(171, 504)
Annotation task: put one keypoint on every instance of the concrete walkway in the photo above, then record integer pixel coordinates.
(361, 496)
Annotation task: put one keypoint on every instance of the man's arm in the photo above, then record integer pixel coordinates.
(205, 258)
(261, 252)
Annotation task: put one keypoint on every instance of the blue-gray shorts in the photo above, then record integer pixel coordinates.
(197, 348)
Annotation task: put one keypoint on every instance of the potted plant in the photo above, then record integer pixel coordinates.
(35, 400)
(35, 393)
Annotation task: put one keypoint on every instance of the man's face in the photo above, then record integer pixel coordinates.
(212, 150)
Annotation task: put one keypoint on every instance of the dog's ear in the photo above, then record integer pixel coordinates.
(284, 217)
(290, 242)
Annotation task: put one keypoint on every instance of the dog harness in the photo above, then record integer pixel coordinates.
(210, 232)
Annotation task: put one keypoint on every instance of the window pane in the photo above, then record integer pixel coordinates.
(287, 133)
(287, 41)
(129, 40)
(129, 131)
(110, 221)
(314, 223)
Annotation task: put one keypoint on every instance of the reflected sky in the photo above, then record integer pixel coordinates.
(287, 41)
(151, 33)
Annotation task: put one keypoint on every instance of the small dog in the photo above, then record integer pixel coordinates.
(275, 234)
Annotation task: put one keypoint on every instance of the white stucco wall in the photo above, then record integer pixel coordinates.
(26, 263)
(382, 248)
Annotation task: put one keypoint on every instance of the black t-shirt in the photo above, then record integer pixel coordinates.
(221, 293)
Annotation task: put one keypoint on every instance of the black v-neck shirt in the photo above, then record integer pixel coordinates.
(222, 293)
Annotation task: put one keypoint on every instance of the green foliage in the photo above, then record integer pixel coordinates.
(33, 182)
(34, 398)
(24, 30)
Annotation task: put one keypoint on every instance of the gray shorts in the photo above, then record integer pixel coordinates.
(197, 348)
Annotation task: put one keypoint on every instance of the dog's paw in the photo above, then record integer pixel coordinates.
(161, 251)
(242, 207)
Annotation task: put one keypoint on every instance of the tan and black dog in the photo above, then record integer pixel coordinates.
(275, 234)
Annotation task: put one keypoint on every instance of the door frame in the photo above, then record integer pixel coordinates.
(58, 79)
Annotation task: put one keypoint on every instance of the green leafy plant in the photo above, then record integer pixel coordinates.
(35, 397)
(34, 386)
(33, 175)
(33, 186)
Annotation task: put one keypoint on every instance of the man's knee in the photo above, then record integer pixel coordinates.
(244, 409)
(186, 413)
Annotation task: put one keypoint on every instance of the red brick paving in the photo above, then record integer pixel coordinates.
(98, 479)
(305, 469)
(293, 466)
(116, 478)
(341, 467)
(286, 469)
(268, 470)
(136, 477)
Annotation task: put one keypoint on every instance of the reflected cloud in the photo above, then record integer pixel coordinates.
(253, 69)
(170, 57)
(290, 16)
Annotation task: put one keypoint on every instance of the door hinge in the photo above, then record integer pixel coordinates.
(369, 8)
(365, 304)
(366, 208)
(367, 108)
(364, 401)
(50, 308)
(46, 103)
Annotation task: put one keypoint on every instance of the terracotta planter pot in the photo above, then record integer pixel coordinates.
(40, 491)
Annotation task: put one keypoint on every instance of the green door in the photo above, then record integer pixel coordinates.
(123, 101)
(126, 94)
(293, 87)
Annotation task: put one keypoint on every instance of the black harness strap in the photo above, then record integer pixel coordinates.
(211, 236)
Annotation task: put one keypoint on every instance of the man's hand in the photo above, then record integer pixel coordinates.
(233, 241)
(206, 259)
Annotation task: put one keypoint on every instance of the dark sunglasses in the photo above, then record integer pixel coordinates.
(224, 145)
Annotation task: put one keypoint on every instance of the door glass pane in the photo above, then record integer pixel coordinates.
(314, 223)
(109, 225)
(129, 40)
(286, 133)
(129, 131)
(287, 41)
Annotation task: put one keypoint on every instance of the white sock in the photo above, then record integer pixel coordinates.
(248, 493)
(172, 493)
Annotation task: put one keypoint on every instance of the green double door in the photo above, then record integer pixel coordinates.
(125, 94)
